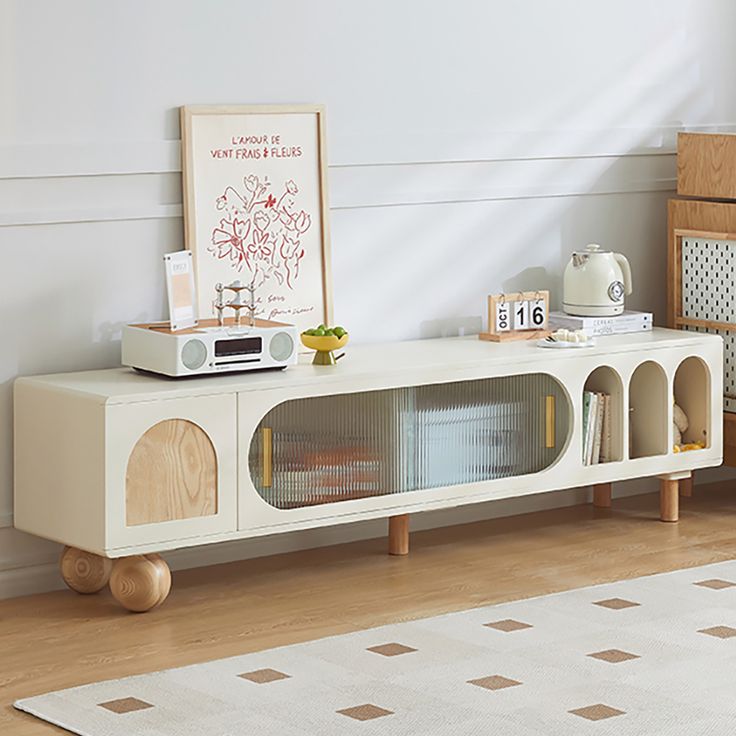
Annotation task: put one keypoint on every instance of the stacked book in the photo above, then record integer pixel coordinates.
(596, 428)
(598, 326)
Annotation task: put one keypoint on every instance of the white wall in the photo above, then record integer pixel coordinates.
(472, 146)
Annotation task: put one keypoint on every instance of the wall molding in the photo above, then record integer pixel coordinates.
(140, 197)
(67, 183)
(120, 157)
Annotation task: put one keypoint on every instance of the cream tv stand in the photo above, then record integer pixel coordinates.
(119, 466)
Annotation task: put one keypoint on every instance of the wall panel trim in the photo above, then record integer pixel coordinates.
(98, 158)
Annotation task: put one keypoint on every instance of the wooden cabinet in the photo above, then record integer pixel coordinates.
(701, 289)
(170, 470)
(123, 465)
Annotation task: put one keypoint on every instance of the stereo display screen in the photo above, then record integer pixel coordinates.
(241, 346)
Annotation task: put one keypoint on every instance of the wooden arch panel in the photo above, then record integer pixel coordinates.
(171, 474)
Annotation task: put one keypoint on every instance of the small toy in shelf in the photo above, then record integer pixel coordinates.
(325, 340)
(680, 424)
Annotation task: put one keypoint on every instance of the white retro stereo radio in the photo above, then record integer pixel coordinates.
(209, 347)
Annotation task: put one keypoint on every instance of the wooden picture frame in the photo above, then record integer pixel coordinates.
(256, 208)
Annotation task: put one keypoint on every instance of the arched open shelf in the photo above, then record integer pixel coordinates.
(649, 433)
(606, 384)
(692, 395)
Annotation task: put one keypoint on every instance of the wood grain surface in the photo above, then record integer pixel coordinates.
(706, 165)
(61, 639)
(398, 535)
(171, 474)
(83, 571)
(141, 582)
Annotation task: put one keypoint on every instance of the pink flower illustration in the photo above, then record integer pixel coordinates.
(232, 203)
(261, 232)
(259, 247)
(302, 222)
(228, 239)
(261, 220)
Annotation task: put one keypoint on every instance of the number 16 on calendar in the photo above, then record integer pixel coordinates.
(518, 316)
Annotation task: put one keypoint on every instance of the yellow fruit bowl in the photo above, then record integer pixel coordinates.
(325, 343)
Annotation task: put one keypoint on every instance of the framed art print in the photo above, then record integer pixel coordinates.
(255, 206)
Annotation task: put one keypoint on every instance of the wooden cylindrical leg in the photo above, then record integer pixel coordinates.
(398, 535)
(141, 582)
(602, 496)
(83, 571)
(669, 500)
(686, 486)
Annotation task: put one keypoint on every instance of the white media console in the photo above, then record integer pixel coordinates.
(119, 466)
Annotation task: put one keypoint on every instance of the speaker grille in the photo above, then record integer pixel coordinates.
(281, 346)
(193, 354)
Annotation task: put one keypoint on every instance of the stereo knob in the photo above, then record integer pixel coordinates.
(281, 346)
(193, 354)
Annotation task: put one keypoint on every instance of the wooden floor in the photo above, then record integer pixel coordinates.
(61, 639)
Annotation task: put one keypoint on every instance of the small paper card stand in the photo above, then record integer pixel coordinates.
(181, 291)
(520, 316)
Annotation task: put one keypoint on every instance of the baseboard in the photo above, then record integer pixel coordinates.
(45, 577)
(30, 580)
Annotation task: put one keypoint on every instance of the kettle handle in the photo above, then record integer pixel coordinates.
(625, 270)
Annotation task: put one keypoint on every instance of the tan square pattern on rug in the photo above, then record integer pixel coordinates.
(125, 705)
(260, 677)
(722, 632)
(665, 666)
(616, 604)
(391, 650)
(614, 656)
(494, 682)
(597, 712)
(366, 712)
(508, 625)
(715, 584)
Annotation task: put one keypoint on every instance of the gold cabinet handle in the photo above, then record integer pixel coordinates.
(267, 443)
(549, 421)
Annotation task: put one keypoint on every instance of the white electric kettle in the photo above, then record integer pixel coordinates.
(596, 282)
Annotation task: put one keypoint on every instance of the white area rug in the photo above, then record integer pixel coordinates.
(654, 656)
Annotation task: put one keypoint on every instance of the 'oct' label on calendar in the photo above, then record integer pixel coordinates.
(503, 317)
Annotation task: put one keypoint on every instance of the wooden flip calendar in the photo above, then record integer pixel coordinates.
(518, 316)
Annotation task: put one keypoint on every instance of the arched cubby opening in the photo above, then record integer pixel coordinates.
(692, 395)
(649, 433)
(603, 428)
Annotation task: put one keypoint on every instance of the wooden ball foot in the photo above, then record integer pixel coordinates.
(141, 582)
(83, 571)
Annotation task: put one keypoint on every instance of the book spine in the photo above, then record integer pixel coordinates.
(600, 330)
(616, 329)
(586, 425)
(590, 430)
(597, 323)
(607, 436)
(598, 432)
